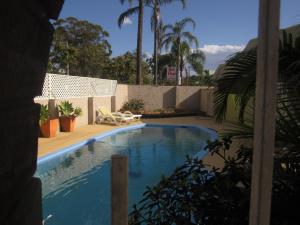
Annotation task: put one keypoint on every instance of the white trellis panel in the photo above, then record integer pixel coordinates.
(64, 86)
(102, 87)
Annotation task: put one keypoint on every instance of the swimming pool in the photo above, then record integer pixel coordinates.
(76, 180)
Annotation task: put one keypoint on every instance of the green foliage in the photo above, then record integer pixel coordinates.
(79, 46)
(158, 29)
(66, 108)
(239, 77)
(180, 42)
(44, 114)
(202, 80)
(139, 9)
(123, 69)
(195, 196)
(77, 111)
(164, 61)
(134, 105)
(194, 58)
(177, 34)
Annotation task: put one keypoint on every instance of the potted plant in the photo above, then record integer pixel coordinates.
(48, 126)
(68, 116)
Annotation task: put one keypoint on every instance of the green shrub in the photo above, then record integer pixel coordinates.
(193, 195)
(134, 105)
(77, 111)
(44, 114)
(66, 108)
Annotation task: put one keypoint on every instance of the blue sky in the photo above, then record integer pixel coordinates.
(223, 26)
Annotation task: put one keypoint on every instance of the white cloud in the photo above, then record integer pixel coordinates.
(217, 49)
(148, 55)
(127, 21)
(217, 54)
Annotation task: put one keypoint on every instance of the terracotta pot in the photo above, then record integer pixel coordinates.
(67, 124)
(49, 128)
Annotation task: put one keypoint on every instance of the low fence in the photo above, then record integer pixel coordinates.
(189, 98)
(64, 86)
(91, 93)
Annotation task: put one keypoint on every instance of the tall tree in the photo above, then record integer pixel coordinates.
(187, 56)
(79, 48)
(139, 51)
(176, 36)
(155, 23)
(161, 31)
(123, 69)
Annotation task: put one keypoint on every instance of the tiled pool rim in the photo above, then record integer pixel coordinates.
(62, 151)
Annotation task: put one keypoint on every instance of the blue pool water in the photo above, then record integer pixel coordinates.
(76, 185)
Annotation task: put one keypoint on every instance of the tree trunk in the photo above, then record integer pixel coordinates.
(155, 41)
(139, 50)
(187, 72)
(178, 63)
(181, 70)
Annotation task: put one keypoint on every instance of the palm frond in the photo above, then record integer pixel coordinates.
(167, 2)
(239, 75)
(168, 41)
(196, 60)
(184, 22)
(168, 27)
(191, 38)
(123, 1)
(239, 130)
(238, 78)
(129, 12)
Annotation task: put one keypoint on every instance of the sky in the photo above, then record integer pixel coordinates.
(223, 26)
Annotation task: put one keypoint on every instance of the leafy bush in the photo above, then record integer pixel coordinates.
(44, 114)
(134, 105)
(66, 108)
(193, 195)
(77, 111)
(202, 80)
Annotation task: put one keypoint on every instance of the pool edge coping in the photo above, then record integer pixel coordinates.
(61, 151)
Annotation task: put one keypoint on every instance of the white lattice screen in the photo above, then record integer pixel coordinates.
(63, 86)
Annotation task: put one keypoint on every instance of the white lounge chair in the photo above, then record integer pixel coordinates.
(106, 116)
(135, 116)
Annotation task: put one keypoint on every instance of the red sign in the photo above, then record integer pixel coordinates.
(171, 73)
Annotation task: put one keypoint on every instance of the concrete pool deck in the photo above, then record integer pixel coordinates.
(62, 140)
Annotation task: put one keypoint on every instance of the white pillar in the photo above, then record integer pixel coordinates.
(265, 106)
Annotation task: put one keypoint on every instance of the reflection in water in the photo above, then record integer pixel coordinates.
(76, 187)
(91, 147)
(134, 161)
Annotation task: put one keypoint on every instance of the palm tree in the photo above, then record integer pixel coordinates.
(239, 77)
(176, 36)
(139, 51)
(187, 56)
(161, 32)
(155, 23)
